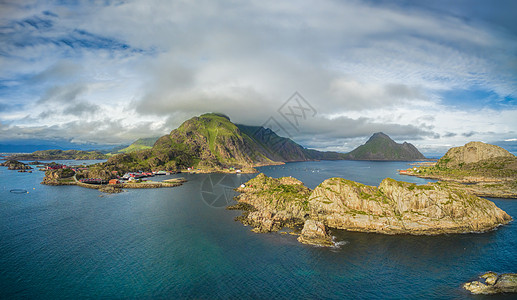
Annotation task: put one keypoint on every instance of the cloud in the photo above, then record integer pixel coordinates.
(364, 66)
(82, 109)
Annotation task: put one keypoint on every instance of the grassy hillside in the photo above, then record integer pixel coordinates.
(60, 155)
(140, 144)
(211, 142)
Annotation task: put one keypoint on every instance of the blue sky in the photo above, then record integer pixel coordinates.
(435, 73)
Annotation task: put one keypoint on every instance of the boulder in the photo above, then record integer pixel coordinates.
(491, 283)
(315, 233)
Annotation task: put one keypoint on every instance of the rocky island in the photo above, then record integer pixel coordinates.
(482, 169)
(15, 165)
(394, 207)
(491, 283)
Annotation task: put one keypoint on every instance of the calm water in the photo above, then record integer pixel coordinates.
(70, 242)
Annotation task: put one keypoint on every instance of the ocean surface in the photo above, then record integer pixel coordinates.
(71, 242)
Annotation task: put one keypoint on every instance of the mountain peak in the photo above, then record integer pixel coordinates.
(379, 135)
(381, 147)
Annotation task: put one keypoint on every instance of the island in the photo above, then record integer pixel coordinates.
(482, 169)
(60, 155)
(12, 164)
(492, 283)
(394, 207)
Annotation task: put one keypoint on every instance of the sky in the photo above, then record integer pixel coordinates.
(327, 74)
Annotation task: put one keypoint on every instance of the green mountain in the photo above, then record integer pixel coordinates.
(382, 147)
(211, 142)
(140, 144)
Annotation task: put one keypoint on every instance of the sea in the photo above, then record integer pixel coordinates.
(68, 242)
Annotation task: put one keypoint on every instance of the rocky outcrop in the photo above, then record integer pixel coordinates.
(59, 177)
(315, 233)
(471, 153)
(400, 207)
(394, 207)
(491, 283)
(483, 169)
(276, 203)
(110, 189)
(15, 165)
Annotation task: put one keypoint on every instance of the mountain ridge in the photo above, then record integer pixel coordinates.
(381, 147)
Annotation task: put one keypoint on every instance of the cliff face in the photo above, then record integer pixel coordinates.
(392, 208)
(282, 149)
(400, 207)
(212, 142)
(472, 152)
(382, 147)
(482, 169)
(276, 203)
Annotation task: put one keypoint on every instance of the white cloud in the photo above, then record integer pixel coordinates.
(150, 64)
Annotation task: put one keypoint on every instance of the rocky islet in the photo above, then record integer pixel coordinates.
(394, 207)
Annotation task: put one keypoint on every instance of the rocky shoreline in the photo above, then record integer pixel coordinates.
(394, 207)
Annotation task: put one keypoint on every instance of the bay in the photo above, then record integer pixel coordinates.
(69, 242)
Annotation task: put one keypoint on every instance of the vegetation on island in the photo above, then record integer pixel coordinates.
(395, 207)
(60, 155)
(483, 169)
(212, 143)
(140, 144)
(12, 164)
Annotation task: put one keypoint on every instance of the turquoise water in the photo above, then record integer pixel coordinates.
(70, 242)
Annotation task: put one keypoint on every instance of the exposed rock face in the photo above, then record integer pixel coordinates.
(400, 207)
(15, 165)
(382, 147)
(392, 208)
(212, 143)
(277, 202)
(482, 169)
(315, 233)
(491, 283)
(471, 153)
(55, 177)
(109, 189)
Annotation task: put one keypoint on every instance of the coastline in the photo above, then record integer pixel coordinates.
(481, 187)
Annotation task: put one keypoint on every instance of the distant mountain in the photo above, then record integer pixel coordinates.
(282, 149)
(140, 144)
(31, 145)
(211, 142)
(57, 154)
(382, 147)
